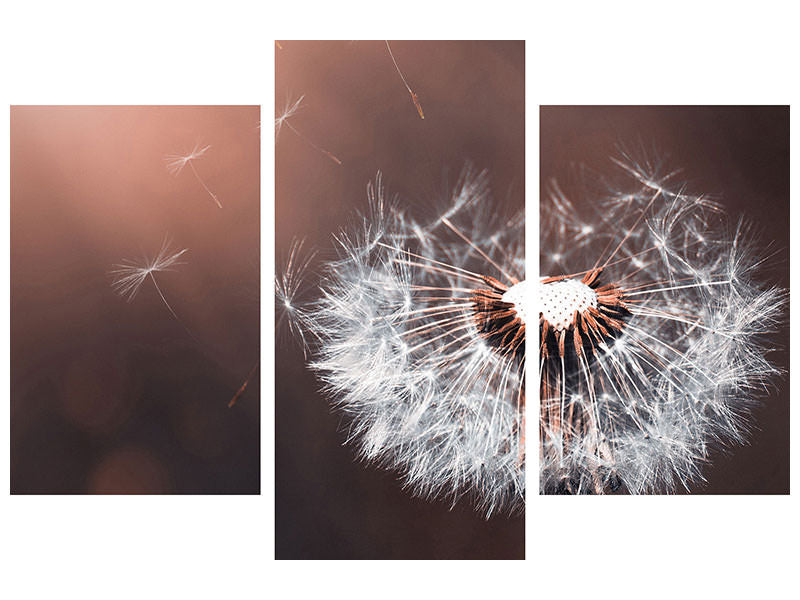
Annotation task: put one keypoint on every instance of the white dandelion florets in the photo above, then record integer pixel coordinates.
(653, 336)
(418, 337)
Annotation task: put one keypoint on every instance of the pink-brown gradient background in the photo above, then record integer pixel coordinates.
(327, 504)
(111, 396)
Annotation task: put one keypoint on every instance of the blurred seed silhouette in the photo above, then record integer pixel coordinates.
(176, 162)
(414, 98)
(243, 387)
(130, 275)
(283, 119)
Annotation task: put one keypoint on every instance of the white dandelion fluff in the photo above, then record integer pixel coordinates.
(653, 336)
(419, 338)
(129, 275)
(176, 163)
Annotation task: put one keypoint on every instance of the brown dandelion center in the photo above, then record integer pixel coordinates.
(500, 316)
(577, 315)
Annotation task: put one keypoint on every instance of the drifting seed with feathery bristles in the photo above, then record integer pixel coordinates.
(129, 275)
(176, 163)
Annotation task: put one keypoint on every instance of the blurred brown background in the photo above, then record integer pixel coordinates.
(738, 156)
(111, 396)
(328, 505)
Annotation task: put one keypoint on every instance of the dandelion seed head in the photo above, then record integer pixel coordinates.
(417, 346)
(665, 362)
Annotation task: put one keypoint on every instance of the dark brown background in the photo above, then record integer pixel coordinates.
(740, 157)
(327, 505)
(110, 396)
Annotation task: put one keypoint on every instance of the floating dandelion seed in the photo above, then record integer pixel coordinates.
(289, 288)
(288, 112)
(129, 276)
(419, 337)
(176, 162)
(652, 336)
(414, 97)
(243, 387)
(283, 119)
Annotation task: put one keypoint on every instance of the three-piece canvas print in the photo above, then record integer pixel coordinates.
(403, 302)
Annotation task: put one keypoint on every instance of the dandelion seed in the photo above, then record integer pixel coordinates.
(288, 112)
(129, 275)
(283, 119)
(418, 337)
(653, 336)
(243, 387)
(290, 288)
(176, 163)
(414, 97)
